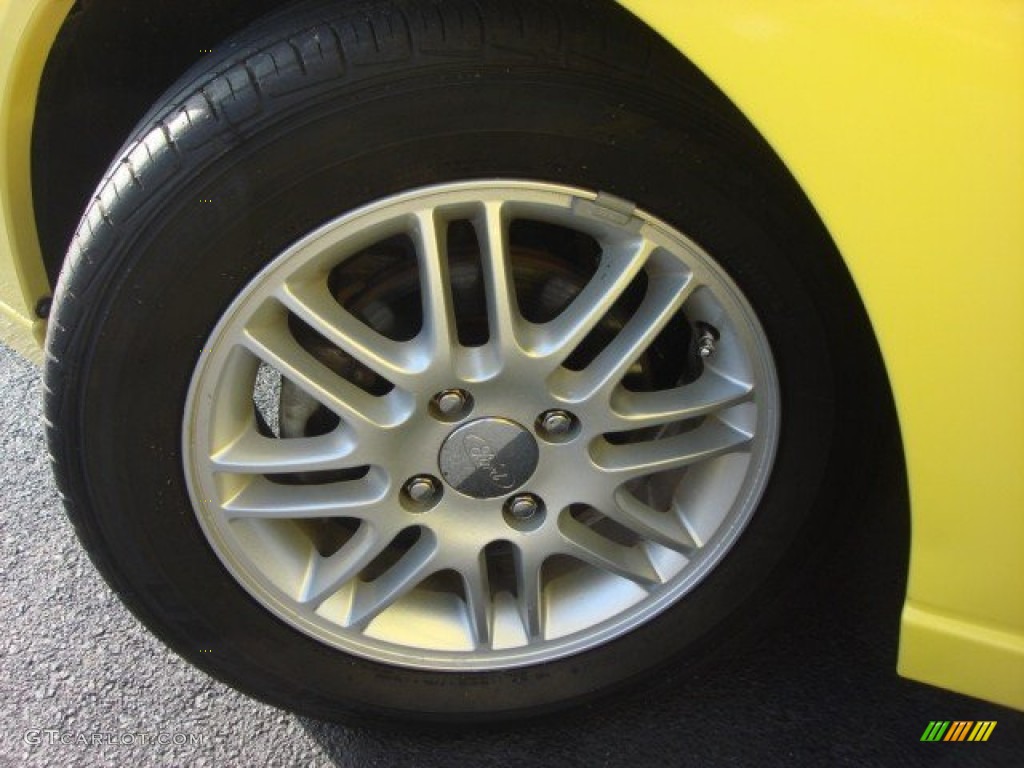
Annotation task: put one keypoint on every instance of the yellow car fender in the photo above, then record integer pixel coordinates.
(27, 31)
(903, 121)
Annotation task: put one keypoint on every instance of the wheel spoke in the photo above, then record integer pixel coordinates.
(314, 305)
(530, 593)
(276, 347)
(502, 312)
(327, 575)
(645, 521)
(583, 543)
(373, 598)
(618, 268)
(253, 454)
(261, 498)
(438, 335)
(666, 296)
(711, 393)
(479, 606)
(713, 438)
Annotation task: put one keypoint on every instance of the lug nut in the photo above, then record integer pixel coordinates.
(557, 425)
(524, 512)
(523, 507)
(422, 489)
(451, 404)
(557, 422)
(451, 401)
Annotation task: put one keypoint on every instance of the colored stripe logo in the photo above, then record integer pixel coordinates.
(958, 730)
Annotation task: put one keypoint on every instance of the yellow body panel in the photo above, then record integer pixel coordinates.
(27, 30)
(903, 120)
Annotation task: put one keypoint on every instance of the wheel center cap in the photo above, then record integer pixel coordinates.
(488, 458)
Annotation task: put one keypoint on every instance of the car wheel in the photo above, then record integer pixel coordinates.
(446, 361)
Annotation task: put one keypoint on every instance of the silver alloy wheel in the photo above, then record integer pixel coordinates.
(363, 536)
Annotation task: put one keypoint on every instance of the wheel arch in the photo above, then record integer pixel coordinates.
(81, 119)
(748, 181)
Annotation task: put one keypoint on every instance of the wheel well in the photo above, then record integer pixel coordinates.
(111, 60)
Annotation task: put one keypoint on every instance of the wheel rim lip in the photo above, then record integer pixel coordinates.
(271, 597)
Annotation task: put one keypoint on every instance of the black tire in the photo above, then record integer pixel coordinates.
(328, 106)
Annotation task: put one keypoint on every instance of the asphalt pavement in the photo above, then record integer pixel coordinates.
(83, 683)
